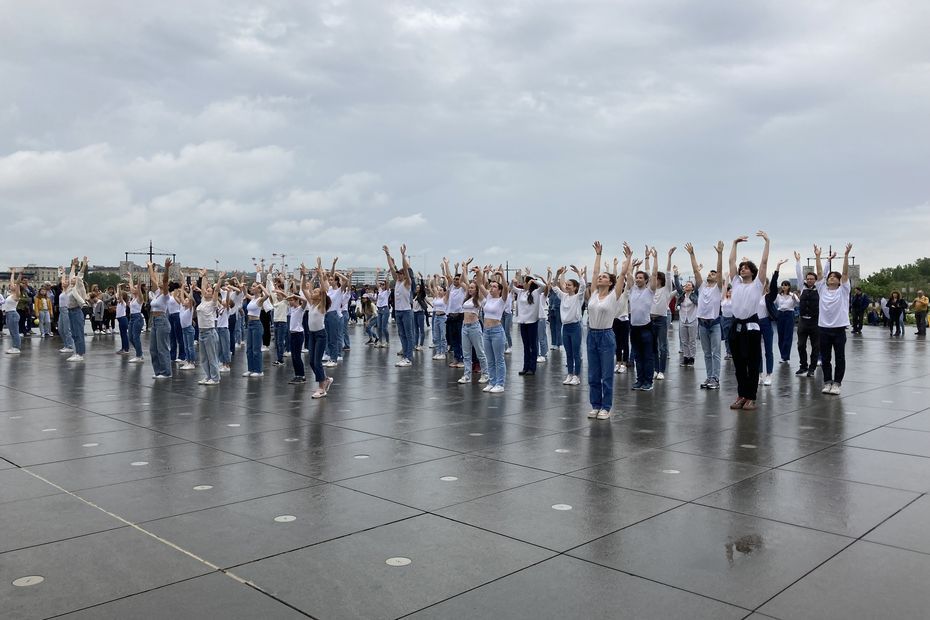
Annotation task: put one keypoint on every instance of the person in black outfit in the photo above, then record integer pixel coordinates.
(858, 304)
(897, 307)
(808, 313)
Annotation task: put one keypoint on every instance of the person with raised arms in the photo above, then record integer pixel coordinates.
(570, 294)
(317, 302)
(403, 305)
(833, 320)
(710, 295)
(160, 336)
(748, 290)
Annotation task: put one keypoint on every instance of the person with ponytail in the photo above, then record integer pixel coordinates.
(527, 289)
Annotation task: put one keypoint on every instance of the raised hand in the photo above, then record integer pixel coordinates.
(780, 263)
(671, 250)
(719, 247)
(762, 234)
(848, 249)
(816, 250)
(386, 250)
(627, 250)
(403, 248)
(797, 256)
(689, 249)
(741, 239)
(598, 248)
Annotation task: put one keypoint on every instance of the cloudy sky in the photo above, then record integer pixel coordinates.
(503, 129)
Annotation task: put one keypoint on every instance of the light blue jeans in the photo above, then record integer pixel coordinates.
(543, 338)
(64, 328)
(494, 343)
(160, 345)
(439, 334)
(222, 336)
(135, 332)
(709, 333)
(12, 324)
(190, 353)
(77, 319)
(507, 322)
(473, 337)
(405, 331)
(209, 341)
(45, 322)
(384, 314)
(253, 346)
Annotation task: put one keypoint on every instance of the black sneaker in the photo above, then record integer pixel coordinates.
(810, 373)
(713, 384)
(801, 371)
(297, 380)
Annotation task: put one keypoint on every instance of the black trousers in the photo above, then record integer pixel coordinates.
(746, 349)
(808, 330)
(266, 325)
(857, 320)
(622, 336)
(529, 334)
(454, 334)
(833, 341)
(297, 355)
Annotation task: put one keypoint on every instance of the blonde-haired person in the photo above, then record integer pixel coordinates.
(207, 311)
(10, 314)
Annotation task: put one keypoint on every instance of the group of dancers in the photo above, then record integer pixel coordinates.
(472, 309)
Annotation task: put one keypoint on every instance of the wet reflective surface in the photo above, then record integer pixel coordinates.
(510, 506)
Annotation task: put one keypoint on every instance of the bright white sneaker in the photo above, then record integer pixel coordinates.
(256, 374)
(264, 348)
(201, 382)
(616, 369)
(507, 350)
(497, 389)
(13, 351)
(66, 350)
(540, 359)
(767, 380)
(593, 413)
(660, 376)
(483, 379)
(339, 359)
(576, 380)
(247, 374)
(211, 382)
(827, 388)
(403, 363)
(188, 366)
(225, 368)
(487, 388)
(835, 389)
(465, 379)
(76, 358)
(439, 356)
(603, 414)
(135, 360)
(567, 380)
(622, 368)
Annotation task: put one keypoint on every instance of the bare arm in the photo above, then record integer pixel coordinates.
(736, 242)
(694, 265)
(818, 264)
(764, 263)
(845, 278)
(719, 248)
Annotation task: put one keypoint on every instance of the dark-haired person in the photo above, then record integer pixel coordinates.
(859, 304)
(710, 295)
(768, 317)
(11, 314)
(834, 319)
(571, 294)
(403, 305)
(897, 308)
(494, 299)
(253, 345)
(604, 300)
(455, 297)
(160, 334)
(528, 300)
(472, 332)
(658, 313)
(808, 318)
(317, 303)
(687, 319)
(641, 296)
(785, 303)
(920, 305)
(747, 293)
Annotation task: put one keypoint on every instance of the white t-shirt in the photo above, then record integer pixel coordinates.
(295, 319)
(709, 301)
(527, 312)
(134, 306)
(494, 307)
(384, 297)
(601, 312)
(456, 298)
(640, 305)
(726, 308)
(206, 314)
(222, 316)
(834, 304)
(746, 297)
(173, 305)
(786, 302)
(9, 304)
(314, 318)
(159, 301)
(661, 298)
(253, 309)
(120, 309)
(335, 296)
(401, 297)
(186, 317)
(570, 308)
(439, 305)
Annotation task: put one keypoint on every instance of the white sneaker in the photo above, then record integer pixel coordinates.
(616, 369)
(835, 389)
(339, 359)
(13, 351)
(603, 414)
(439, 356)
(76, 358)
(201, 382)
(483, 379)
(256, 374)
(827, 388)
(287, 354)
(487, 388)
(507, 351)
(593, 413)
(540, 359)
(264, 348)
(187, 366)
(225, 368)
(418, 348)
(66, 350)
(660, 376)
(247, 374)
(403, 363)
(330, 364)
(576, 380)
(567, 380)
(135, 360)
(622, 368)
(767, 380)
(497, 389)
(465, 379)
(211, 382)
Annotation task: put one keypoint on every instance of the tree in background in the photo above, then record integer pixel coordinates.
(907, 279)
(102, 280)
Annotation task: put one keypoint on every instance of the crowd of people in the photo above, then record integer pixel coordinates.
(467, 311)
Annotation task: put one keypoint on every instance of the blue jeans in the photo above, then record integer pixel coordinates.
(384, 313)
(543, 339)
(123, 333)
(280, 339)
(571, 338)
(765, 325)
(641, 344)
(785, 333)
(709, 333)
(555, 327)
(345, 330)
(439, 334)
(419, 325)
(209, 341)
(472, 337)
(12, 323)
(660, 342)
(404, 320)
(507, 322)
(45, 322)
(160, 346)
(77, 319)
(135, 332)
(253, 345)
(64, 328)
(370, 326)
(725, 323)
(318, 341)
(190, 353)
(494, 346)
(602, 347)
(177, 337)
(222, 345)
(331, 323)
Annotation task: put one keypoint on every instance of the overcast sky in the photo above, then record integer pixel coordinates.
(503, 129)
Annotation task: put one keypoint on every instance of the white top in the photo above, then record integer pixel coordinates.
(834, 304)
(173, 305)
(335, 296)
(543, 307)
(206, 314)
(295, 319)
(63, 299)
(786, 302)
(314, 318)
(120, 309)
(237, 300)
(417, 306)
(254, 308)
(601, 312)
(456, 298)
(468, 307)
(726, 307)
(222, 316)
(9, 304)
(527, 312)
(709, 298)
(640, 306)
(134, 306)
(746, 297)
(494, 307)
(623, 310)
(687, 309)
(570, 308)
(187, 317)
(346, 300)
(383, 298)
(159, 301)
(280, 310)
(439, 304)
(662, 297)
(401, 297)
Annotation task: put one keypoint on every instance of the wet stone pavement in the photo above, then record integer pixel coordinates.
(405, 493)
